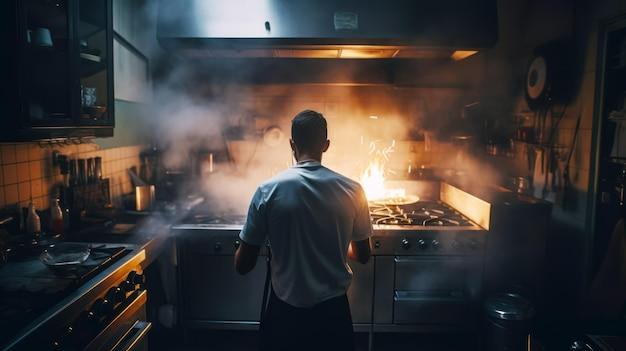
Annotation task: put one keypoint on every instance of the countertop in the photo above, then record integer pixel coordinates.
(146, 233)
(147, 240)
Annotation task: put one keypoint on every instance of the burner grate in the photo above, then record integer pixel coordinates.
(419, 214)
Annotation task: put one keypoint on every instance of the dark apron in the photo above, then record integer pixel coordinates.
(326, 326)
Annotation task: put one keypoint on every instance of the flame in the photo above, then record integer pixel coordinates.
(373, 177)
(373, 181)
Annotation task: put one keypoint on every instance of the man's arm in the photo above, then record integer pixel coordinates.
(246, 257)
(360, 251)
(252, 235)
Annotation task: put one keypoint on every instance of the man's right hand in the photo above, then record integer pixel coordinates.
(360, 251)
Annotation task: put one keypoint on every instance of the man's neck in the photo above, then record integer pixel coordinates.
(309, 157)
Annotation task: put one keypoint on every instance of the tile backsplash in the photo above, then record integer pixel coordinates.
(26, 171)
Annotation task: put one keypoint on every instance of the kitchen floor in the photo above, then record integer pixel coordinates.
(247, 341)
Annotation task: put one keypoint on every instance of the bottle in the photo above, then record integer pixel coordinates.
(33, 222)
(56, 218)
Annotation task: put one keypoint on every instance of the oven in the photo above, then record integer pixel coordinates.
(107, 312)
(425, 272)
(435, 290)
(212, 294)
(427, 279)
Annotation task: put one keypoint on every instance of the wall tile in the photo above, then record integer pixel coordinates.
(8, 153)
(23, 172)
(10, 194)
(35, 152)
(35, 188)
(23, 190)
(35, 169)
(34, 177)
(21, 152)
(10, 174)
(41, 203)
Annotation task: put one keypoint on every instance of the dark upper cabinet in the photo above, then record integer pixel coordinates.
(59, 69)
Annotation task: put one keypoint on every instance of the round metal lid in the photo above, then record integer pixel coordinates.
(509, 307)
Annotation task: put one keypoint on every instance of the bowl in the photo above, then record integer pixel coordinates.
(65, 254)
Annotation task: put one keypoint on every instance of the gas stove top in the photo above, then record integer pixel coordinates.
(422, 213)
(28, 287)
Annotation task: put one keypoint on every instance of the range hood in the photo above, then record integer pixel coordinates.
(327, 29)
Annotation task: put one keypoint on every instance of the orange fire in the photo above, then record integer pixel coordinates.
(373, 177)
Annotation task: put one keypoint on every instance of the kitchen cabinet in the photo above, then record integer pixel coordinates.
(59, 69)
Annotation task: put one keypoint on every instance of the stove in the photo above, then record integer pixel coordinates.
(431, 228)
(426, 272)
(29, 290)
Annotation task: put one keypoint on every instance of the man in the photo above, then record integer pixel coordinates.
(314, 219)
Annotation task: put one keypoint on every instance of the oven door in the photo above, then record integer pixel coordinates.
(136, 338)
(127, 331)
(211, 293)
(441, 290)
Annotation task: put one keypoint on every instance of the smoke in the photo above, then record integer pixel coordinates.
(217, 106)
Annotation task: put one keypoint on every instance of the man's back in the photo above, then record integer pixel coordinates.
(310, 214)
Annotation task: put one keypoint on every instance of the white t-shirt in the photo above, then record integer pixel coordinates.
(310, 214)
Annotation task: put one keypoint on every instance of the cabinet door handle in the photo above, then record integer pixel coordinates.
(134, 336)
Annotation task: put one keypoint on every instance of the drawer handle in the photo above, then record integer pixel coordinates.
(134, 336)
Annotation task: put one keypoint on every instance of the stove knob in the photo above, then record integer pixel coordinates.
(405, 244)
(139, 279)
(56, 345)
(435, 244)
(96, 308)
(133, 279)
(92, 319)
(127, 286)
(236, 244)
(422, 244)
(217, 247)
(377, 244)
(60, 342)
(106, 308)
(115, 295)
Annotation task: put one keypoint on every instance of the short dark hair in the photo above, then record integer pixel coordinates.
(309, 130)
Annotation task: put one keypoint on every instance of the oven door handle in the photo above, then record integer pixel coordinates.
(445, 259)
(134, 336)
(411, 296)
(420, 259)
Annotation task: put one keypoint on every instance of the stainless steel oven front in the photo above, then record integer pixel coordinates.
(427, 280)
(214, 296)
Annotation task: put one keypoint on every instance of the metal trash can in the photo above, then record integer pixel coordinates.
(508, 322)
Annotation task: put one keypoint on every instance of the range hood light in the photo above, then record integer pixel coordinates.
(362, 53)
(462, 54)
